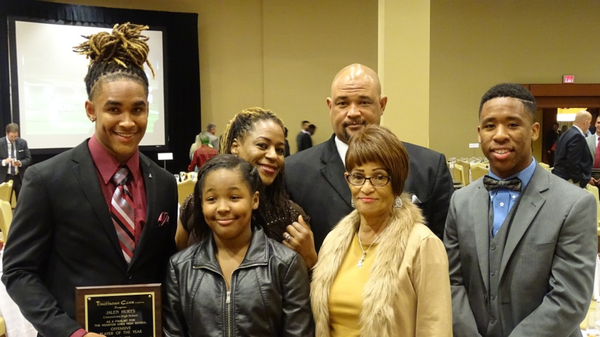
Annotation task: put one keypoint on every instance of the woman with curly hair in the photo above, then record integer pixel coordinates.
(257, 136)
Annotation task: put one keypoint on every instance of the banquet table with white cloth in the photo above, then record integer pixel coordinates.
(16, 324)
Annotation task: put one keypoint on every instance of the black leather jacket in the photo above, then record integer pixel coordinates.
(269, 293)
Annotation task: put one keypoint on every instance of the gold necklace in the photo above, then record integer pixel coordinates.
(364, 252)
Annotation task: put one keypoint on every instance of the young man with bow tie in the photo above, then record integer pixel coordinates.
(521, 242)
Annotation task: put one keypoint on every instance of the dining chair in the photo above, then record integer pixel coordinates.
(545, 166)
(478, 170)
(594, 191)
(184, 189)
(5, 218)
(6, 191)
(466, 169)
(13, 201)
(2, 327)
(458, 174)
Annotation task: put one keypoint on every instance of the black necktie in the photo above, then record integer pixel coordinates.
(493, 184)
(14, 157)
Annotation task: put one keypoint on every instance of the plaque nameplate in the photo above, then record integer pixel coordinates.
(124, 310)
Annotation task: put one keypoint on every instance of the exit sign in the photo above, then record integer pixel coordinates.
(568, 78)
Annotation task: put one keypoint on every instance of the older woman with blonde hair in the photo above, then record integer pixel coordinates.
(381, 271)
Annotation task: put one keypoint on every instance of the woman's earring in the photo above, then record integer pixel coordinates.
(352, 203)
(398, 202)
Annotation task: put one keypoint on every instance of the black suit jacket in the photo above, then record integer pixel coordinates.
(550, 138)
(572, 158)
(62, 236)
(23, 155)
(315, 180)
(304, 141)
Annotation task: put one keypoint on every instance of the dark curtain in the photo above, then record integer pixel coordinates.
(182, 73)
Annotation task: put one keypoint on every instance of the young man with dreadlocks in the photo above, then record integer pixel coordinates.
(101, 213)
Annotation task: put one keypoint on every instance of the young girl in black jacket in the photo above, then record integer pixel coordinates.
(236, 281)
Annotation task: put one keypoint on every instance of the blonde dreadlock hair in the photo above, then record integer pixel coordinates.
(116, 55)
(274, 206)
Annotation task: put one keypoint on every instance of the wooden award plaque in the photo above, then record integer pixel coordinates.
(124, 310)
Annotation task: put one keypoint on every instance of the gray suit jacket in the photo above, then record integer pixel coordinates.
(62, 236)
(547, 270)
(591, 143)
(315, 181)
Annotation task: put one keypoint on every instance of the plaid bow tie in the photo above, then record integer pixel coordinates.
(493, 184)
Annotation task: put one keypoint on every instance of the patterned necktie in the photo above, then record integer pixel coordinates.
(122, 213)
(493, 184)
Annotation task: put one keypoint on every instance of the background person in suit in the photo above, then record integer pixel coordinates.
(315, 177)
(592, 142)
(66, 232)
(572, 160)
(312, 129)
(550, 139)
(15, 157)
(287, 144)
(303, 140)
(521, 251)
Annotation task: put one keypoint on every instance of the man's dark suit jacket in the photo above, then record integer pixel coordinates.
(62, 237)
(22, 154)
(304, 141)
(572, 159)
(315, 180)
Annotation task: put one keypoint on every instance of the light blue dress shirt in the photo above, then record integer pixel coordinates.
(503, 199)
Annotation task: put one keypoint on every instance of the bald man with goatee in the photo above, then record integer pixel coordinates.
(315, 177)
(572, 158)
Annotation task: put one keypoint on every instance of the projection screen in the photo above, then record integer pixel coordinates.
(50, 98)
